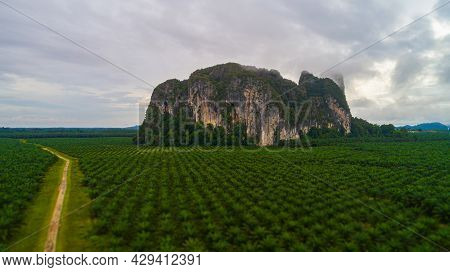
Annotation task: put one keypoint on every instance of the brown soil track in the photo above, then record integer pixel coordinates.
(50, 244)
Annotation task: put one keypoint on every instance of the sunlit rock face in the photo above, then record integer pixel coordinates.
(269, 105)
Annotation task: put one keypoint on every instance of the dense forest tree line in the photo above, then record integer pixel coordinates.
(20, 133)
(179, 129)
(359, 128)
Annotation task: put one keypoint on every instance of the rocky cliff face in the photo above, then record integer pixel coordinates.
(270, 106)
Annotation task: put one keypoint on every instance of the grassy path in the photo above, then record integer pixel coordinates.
(53, 221)
(29, 236)
(76, 223)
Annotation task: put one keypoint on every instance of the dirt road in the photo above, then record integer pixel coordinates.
(50, 244)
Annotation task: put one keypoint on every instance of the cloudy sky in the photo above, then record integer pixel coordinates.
(46, 81)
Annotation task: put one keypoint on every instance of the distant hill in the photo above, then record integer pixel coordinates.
(136, 127)
(428, 126)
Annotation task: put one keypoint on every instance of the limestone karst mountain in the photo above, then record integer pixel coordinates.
(269, 106)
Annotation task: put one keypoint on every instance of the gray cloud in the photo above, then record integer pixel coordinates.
(47, 81)
(408, 68)
(443, 72)
(362, 103)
